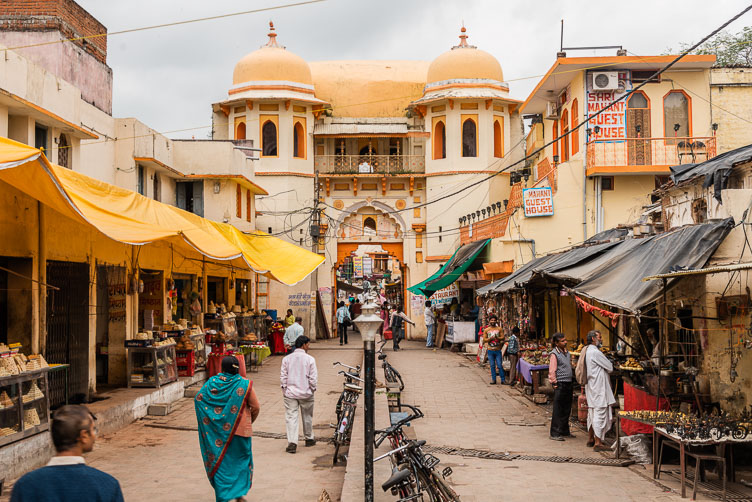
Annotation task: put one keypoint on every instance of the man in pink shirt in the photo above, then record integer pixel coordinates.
(299, 377)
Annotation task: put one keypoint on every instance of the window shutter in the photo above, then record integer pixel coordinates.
(239, 202)
(248, 205)
(198, 198)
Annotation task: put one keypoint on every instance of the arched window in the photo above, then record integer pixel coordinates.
(469, 139)
(240, 130)
(555, 134)
(369, 226)
(439, 141)
(298, 141)
(564, 139)
(676, 123)
(63, 151)
(639, 151)
(269, 139)
(498, 138)
(575, 122)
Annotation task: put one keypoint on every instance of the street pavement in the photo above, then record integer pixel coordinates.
(158, 458)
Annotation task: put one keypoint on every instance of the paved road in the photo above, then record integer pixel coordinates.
(158, 458)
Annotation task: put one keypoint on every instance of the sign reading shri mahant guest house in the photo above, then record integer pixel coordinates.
(538, 201)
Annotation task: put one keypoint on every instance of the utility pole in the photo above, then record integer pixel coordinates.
(315, 232)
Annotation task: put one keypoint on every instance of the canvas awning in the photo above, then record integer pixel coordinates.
(716, 170)
(545, 265)
(131, 218)
(619, 283)
(452, 269)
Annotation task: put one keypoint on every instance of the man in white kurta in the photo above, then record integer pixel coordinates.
(600, 397)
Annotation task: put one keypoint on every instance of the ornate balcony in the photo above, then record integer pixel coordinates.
(646, 155)
(370, 164)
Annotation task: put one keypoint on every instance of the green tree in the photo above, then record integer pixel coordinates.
(730, 49)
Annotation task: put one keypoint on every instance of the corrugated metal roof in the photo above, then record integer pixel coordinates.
(701, 271)
(361, 126)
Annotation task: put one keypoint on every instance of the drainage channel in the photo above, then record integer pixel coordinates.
(462, 452)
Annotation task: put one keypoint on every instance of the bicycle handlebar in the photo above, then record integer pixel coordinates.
(409, 445)
(350, 375)
(356, 368)
(390, 430)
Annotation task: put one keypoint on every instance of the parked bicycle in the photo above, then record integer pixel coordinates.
(391, 375)
(346, 408)
(414, 473)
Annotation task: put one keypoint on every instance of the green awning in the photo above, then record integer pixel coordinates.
(452, 269)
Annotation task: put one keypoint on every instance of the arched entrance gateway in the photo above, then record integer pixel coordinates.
(370, 248)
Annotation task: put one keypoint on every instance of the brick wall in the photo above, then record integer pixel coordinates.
(65, 16)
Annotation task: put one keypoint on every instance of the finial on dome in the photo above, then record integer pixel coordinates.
(272, 36)
(463, 40)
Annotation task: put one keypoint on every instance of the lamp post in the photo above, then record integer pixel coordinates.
(368, 324)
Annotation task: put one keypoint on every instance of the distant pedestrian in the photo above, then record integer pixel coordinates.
(343, 319)
(513, 351)
(560, 375)
(299, 378)
(293, 333)
(384, 314)
(66, 477)
(289, 318)
(398, 326)
(430, 319)
(598, 391)
(492, 340)
(226, 406)
(357, 309)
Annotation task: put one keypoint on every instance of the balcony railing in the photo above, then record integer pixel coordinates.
(369, 164)
(635, 152)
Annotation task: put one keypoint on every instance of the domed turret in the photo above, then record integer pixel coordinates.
(272, 63)
(464, 61)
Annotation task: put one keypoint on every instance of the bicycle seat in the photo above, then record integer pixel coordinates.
(382, 357)
(353, 388)
(398, 476)
(420, 443)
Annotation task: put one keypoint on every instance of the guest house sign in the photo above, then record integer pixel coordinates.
(538, 201)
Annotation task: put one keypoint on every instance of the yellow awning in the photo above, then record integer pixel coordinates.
(131, 218)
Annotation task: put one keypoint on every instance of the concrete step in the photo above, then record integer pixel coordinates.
(159, 409)
(190, 392)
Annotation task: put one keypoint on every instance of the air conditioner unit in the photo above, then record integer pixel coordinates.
(552, 110)
(605, 81)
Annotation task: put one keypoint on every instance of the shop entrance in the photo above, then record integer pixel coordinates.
(151, 300)
(185, 295)
(68, 330)
(215, 290)
(380, 265)
(15, 300)
(110, 324)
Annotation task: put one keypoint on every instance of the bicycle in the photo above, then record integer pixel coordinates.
(346, 411)
(413, 471)
(391, 375)
(355, 371)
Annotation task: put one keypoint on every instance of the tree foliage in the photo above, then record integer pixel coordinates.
(730, 49)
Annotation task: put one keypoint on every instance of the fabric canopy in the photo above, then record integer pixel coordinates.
(545, 265)
(715, 170)
(619, 283)
(452, 269)
(131, 218)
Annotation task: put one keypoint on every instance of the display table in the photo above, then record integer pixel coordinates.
(637, 399)
(152, 366)
(254, 355)
(276, 342)
(199, 349)
(214, 364)
(24, 405)
(525, 369)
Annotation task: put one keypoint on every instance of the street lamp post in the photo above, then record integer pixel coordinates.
(368, 324)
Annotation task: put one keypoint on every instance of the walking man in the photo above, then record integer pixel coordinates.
(343, 318)
(398, 326)
(299, 378)
(600, 397)
(560, 375)
(513, 351)
(66, 477)
(292, 333)
(430, 323)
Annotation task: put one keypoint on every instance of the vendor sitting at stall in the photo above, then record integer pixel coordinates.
(492, 341)
(289, 318)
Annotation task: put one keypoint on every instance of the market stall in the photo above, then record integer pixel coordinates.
(151, 363)
(24, 396)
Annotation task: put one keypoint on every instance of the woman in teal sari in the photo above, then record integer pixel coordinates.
(225, 408)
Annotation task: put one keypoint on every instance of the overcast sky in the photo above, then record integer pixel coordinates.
(169, 77)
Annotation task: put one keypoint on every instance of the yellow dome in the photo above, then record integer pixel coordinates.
(272, 63)
(464, 61)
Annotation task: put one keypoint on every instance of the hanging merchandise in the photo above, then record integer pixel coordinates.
(592, 308)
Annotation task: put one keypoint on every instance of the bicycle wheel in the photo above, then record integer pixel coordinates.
(350, 415)
(392, 376)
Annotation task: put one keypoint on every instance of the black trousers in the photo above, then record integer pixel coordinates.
(342, 333)
(562, 409)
